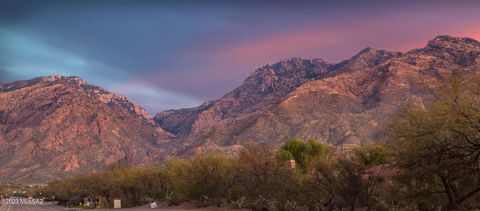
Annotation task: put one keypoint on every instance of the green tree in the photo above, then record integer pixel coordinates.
(438, 146)
(302, 152)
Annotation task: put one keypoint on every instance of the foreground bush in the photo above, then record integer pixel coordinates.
(258, 178)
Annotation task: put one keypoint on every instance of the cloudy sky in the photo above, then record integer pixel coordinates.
(175, 54)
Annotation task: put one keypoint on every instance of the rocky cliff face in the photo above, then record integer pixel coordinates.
(56, 126)
(345, 103)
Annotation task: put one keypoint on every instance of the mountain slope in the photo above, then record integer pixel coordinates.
(56, 126)
(348, 103)
(259, 91)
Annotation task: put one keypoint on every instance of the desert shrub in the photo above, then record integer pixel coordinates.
(293, 206)
(205, 201)
(177, 184)
(261, 175)
(370, 155)
(3, 190)
(127, 185)
(265, 204)
(173, 198)
(239, 203)
(210, 177)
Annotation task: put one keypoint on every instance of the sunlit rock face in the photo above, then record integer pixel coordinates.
(56, 126)
(346, 103)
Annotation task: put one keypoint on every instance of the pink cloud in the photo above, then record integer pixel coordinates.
(278, 45)
(341, 41)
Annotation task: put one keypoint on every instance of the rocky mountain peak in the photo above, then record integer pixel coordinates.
(79, 84)
(269, 76)
(461, 51)
(372, 56)
(449, 42)
(367, 50)
(290, 66)
(57, 78)
(44, 79)
(366, 58)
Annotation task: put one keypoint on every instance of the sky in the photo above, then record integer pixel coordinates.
(177, 54)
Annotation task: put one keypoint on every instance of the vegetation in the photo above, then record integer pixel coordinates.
(438, 147)
(258, 178)
(430, 160)
(303, 153)
(3, 190)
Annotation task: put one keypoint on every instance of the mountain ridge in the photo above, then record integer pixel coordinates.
(56, 126)
(369, 74)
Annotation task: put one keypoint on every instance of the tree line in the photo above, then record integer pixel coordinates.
(428, 160)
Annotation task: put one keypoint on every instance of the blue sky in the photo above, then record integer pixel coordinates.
(177, 54)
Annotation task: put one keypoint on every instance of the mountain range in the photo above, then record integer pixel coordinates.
(56, 126)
